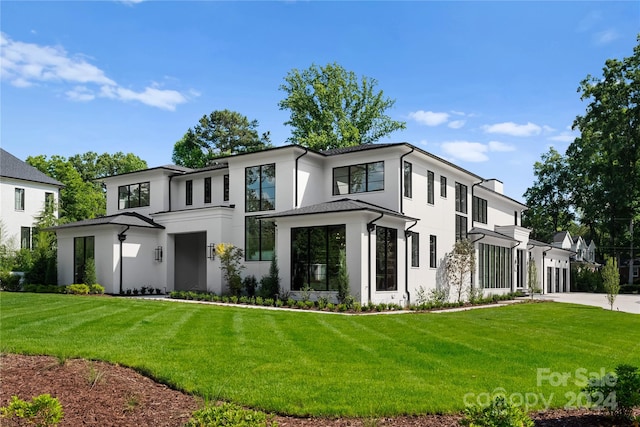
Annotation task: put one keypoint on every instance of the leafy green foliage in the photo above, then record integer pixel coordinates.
(9, 282)
(221, 133)
(459, 265)
(228, 414)
(89, 274)
(96, 289)
(230, 263)
(343, 277)
(42, 411)
(611, 280)
(270, 284)
(250, 283)
(532, 278)
(499, 413)
(77, 289)
(618, 393)
(331, 107)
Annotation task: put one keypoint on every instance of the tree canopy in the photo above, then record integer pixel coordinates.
(331, 107)
(221, 133)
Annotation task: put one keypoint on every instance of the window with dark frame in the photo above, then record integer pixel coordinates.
(259, 239)
(461, 227)
(415, 249)
(188, 192)
(443, 186)
(360, 178)
(433, 251)
(225, 189)
(134, 195)
(260, 188)
(479, 209)
(19, 199)
(25, 238)
(207, 189)
(83, 251)
(386, 259)
(494, 266)
(430, 189)
(515, 217)
(461, 198)
(408, 187)
(315, 256)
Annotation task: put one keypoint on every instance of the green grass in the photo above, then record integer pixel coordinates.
(305, 363)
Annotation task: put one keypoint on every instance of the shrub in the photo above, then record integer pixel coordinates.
(249, 284)
(229, 414)
(270, 284)
(499, 413)
(89, 275)
(230, 258)
(268, 302)
(10, 282)
(43, 410)
(96, 289)
(611, 280)
(618, 393)
(77, 289)
(342, 279)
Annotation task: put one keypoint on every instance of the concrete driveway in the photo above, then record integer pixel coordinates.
(626, 303)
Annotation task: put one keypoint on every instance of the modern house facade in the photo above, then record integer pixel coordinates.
(392, 210)
(24, 193)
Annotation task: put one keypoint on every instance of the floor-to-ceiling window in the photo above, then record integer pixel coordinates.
(386, 259)
(83, 251)
(315, 256)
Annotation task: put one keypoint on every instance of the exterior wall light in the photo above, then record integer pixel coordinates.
(158, 253)
(211, 253)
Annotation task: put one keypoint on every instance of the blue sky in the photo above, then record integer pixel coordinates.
(487, 85)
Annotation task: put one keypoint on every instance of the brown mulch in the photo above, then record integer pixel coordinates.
(100, 394)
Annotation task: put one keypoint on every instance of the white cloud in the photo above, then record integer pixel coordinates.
(429, 118)
(500, 146)
(606, 37)
(456, 124)
(28, 64)
(563, 137)
(465, 150)
(513, 129)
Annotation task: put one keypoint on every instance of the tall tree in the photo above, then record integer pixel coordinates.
(549, 199)
(331, 107)
(605, 158)
(221, 133)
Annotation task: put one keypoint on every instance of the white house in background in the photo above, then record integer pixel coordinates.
(395, 210)
(584, 252)
(24, 192)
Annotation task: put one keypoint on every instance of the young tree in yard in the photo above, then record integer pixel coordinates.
(532, 278)
(230, 258)
(611, 280)
(459, 265)
(331, 107)
(270, 284)
(343, 277)
(221, 133)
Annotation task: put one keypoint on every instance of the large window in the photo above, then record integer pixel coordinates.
(415, 249)
(259, 239)
(260, 188)
(188, 192)
(225, 189)
(430, 189)
(358, 178)
(461, 198)
(133, 196)
(83, 251)
(408, 187)
(207, 189)
(25, 237)
(315, 256)
(479, 210)
(433, 251)
(19, 199)
(386, 259)
(461, 227)
(494, 266)
(443, 186)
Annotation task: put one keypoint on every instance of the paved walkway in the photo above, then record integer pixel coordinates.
(626, 303)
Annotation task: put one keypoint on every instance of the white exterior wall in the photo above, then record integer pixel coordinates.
(12, 219)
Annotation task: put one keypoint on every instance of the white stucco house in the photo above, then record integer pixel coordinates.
(395, 209)
(24, 193)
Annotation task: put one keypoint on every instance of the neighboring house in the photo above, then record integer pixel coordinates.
(554, 266)
(24, 193)
(394, 209)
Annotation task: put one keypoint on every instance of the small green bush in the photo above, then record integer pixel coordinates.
(229, 414)
(618, 393)
(499, 413)
(77, 289)
(43, 410)
(249, 284)
(9, 282)
(96, 289)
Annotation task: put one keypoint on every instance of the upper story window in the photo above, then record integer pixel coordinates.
(443, 186)
(461, 227)
(408, 188)
(479, 209)
(19, 198)
(461, 198)
(188, 192)
(25, 238)
(207, 189)
(358, 178)
(225, 189)
(415, 249)
(260, 188)
(133, 195)
(430, 189)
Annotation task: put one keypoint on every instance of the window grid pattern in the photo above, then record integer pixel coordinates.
(461, 198)
(315, 256)
(360, 178)
(386, 259)
(260, 188)
(461, 227)
(19, 199)
(133, 195)
(260, 239)
(494, 266)
(479, 209)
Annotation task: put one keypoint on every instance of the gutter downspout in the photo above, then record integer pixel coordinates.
(370, 227)
(402, 179)
(122, 237)
(170, 178)
(406, 261)
(306, 150)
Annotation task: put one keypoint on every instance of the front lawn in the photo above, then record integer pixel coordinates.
(306, 363)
